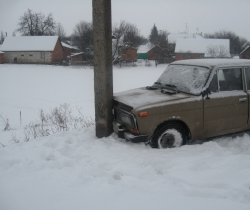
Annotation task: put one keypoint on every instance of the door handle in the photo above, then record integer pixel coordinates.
(243, 99)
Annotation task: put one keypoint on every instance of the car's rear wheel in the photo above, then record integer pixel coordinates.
(170, 135)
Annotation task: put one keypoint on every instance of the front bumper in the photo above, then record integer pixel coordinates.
(124, 134)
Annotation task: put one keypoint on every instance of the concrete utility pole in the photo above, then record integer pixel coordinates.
(103, 73)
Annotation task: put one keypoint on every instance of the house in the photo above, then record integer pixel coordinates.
(150, 53)
(32, 49)
(245, 54)
(201, 48)
(155, 53)
(129, 54)
(77, 57)
(69, 49)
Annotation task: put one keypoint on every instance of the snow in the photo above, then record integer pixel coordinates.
(143, 49)
(210, 63)
(172, 38)
(69, 46)
(200, 45)
(29, 43)
(74, 54)
(76, 170)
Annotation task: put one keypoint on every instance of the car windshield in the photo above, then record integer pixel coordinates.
(190, 79)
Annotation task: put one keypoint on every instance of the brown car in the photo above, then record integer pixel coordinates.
(191, 100)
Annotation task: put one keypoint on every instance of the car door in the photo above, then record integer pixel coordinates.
(247, 75)
(227, 109)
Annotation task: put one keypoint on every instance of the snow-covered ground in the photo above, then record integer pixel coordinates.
(75, 170)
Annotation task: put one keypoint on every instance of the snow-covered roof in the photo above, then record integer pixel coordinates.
(143, 49)
(69, 46)
(29, 43)
(172, 38)
(248, 46)
(74, 54)
(200, 45)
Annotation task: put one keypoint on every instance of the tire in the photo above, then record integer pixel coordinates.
(170, 135)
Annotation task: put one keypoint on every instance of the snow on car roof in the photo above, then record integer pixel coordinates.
(29, 43)
(200, 45)
(213, 62)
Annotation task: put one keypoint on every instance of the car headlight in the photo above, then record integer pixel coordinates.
(125, 117)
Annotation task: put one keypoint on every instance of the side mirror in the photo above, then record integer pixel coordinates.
(205, 93)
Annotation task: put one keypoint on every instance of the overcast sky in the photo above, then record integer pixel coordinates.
(206, 16)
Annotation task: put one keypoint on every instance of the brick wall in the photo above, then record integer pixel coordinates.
(185, 56)
(129, 54)
(1, 58)
(155, 53)
(77, 58)
(57, 54)
(27, 57)
(66, 52)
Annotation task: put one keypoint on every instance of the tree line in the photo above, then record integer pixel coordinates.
(125, 34)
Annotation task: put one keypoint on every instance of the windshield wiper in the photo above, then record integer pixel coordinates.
(170, 85)
(158, 83)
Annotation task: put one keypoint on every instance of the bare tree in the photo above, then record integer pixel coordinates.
(237, 44)
(126, 35)
(36, 24)
(217, 51)
(60, 32)
(1, 38)
(82, 36)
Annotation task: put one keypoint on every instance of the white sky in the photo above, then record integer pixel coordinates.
(171, 15)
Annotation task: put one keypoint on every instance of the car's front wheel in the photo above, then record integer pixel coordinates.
(169, 136)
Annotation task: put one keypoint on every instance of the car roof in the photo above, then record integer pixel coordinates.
(212, 63)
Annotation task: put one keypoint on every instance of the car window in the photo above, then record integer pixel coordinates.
(230, 79)
(248, 78)
(213, 87)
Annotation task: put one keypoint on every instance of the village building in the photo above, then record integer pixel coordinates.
(32, 49)
(202, 48)
(129, 54)
(1, 57)
(150, 53)
(245, 54)
(172, 37)
(68, 50)
(77, 57)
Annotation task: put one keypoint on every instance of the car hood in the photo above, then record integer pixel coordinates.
(142, 97)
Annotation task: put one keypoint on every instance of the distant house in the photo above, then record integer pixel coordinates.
(201, 48)
(245, 54)
(32, 49)
(150, 53)
(129, 54)
(77, 57)
(155, 53)
(1, 57)
(172, 37)
(69, 49)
